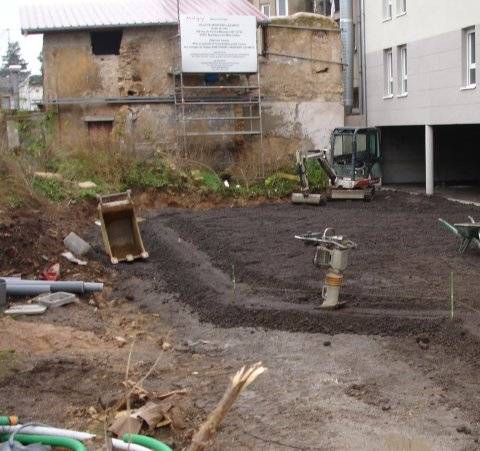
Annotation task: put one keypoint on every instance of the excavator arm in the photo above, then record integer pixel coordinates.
(318, 155)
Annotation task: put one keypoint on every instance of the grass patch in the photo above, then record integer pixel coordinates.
(112, 169)
(51, 189)
(8, 362)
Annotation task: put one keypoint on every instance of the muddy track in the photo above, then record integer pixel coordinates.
(397, 283)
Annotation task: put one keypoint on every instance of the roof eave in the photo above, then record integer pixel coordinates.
(27, 31)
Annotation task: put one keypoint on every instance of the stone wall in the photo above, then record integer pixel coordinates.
(300, 82)
(303, 96)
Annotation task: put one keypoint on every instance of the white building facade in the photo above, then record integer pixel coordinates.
(31, 93)
(421, 88)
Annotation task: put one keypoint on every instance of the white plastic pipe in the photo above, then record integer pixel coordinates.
(46, 430)
(77, 435)
(120, 444)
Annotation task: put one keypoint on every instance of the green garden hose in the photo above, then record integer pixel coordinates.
(63, 442)
(8, 421)
(148, 442)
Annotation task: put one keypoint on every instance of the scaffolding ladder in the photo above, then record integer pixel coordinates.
(215, 108)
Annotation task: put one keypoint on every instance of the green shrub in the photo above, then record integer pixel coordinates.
(317, 179)
(208, 180)
(152, 174)
(52, 189)
(89, 193)
(280, 184)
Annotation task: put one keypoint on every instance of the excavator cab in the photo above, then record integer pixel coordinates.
(355, 153)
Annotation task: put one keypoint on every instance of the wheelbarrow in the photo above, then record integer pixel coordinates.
(469, 232)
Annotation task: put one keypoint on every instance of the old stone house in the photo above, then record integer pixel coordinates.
(112, 72)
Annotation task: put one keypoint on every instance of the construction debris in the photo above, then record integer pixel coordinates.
(86, 185)
(124, 424)
(26, 309)
(164, 411)
(52, 273)
(71, 258)
(240, 381)
(76, 245)
(48, 175)
(54, 300)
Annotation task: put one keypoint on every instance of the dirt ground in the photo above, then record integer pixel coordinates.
(390, 371)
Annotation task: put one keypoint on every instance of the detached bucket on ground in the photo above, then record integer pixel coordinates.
(120, 231)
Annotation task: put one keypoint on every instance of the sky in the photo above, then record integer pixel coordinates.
(10, 28)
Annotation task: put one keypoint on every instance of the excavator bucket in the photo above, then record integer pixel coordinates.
(120, 231)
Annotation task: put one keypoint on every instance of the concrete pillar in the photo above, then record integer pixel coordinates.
(429, 173)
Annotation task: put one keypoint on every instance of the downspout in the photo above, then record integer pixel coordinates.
(364, 63)
(346, 30)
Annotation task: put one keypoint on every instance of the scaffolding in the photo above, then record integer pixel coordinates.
(207, 105)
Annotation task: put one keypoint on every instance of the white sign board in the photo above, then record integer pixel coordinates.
(219, 44)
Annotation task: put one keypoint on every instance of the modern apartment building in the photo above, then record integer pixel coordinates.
(421, 88)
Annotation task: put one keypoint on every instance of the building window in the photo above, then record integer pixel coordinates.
(470, 63)
(282, 7)
(326, 7)
(401, 7)
(106, 42)
(388, 71)
(266, 10)
(403, 69)
(387, 9)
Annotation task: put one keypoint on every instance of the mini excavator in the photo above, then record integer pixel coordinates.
(352, 166)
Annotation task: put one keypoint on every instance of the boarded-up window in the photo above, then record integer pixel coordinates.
(100, 131)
